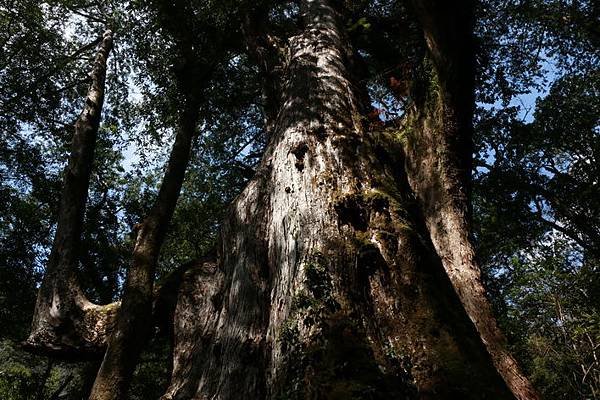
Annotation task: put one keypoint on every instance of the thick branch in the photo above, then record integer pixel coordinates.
(133, 321)
(164, 302)
(63, 318)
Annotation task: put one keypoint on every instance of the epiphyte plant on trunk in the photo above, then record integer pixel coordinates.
(329, 200)
(345, 267)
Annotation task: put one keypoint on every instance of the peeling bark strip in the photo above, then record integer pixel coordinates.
(135, 315)
(64, 321)
(439, 166)
(326, 284)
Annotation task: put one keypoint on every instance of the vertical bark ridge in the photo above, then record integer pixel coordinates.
(327, 285)
(65, 322)
(439, 165)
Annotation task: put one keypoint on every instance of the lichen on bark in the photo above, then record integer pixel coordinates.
(331, 287)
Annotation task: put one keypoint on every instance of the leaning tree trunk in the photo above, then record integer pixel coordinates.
(439, 163)
(65, 322)
(134, 319)
(326, 285)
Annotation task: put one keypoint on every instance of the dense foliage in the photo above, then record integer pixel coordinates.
(536, 177)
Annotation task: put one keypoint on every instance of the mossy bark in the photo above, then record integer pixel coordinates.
(326, 283)
(439, 163)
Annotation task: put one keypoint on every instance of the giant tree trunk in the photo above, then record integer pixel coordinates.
(327, 284)
(64, 321)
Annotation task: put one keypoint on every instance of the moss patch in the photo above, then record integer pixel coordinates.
(327, 354)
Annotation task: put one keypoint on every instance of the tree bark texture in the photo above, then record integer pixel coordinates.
(134, 320)
(326, 284)
(65, 322)
(439, 163)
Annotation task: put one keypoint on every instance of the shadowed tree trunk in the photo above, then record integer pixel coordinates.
(134, 318)
(330, 281)
(344, 269)
(439, 163)
(64, 321)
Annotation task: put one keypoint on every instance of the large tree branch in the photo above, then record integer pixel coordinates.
(134, 318)
(164, 301)
(133, 324)
(63, 315)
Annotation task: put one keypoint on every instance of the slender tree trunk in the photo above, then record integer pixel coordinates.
(326, 284)
(64, 320)
(439, 163)
(134, 318)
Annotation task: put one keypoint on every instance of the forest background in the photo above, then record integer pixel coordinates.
(536, 175)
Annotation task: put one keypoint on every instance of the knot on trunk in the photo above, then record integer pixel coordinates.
(299, 152)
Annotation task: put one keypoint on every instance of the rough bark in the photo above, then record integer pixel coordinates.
(326, 284)
(269, 53)
(134, 318)
(439, 157)
(65, 322)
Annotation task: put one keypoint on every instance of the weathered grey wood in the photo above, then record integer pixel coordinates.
(326, 285)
